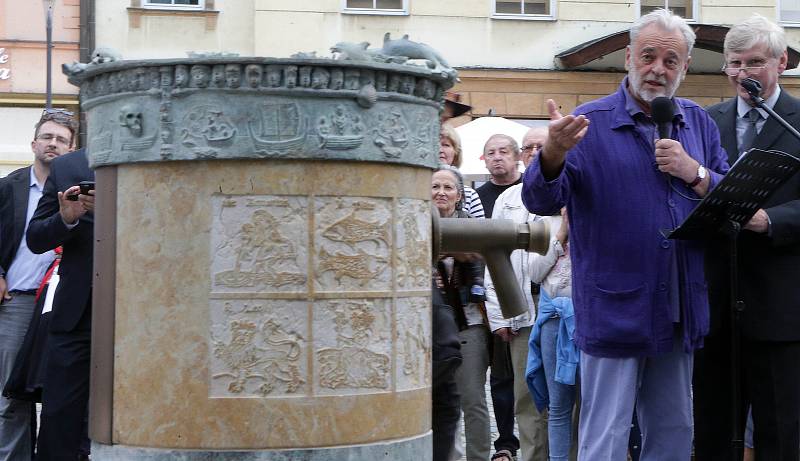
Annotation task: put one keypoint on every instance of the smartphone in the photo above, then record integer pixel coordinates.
(86, 186)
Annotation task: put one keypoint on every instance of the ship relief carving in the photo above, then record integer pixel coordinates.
(356, 355)
(413, 343)
(205, 129)
(391, 133)
(353, 244)
(257, 348)
(341, 129)
(259, 244)
(279, 130)
(413, 245)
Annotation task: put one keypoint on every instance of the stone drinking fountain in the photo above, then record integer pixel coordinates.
(263, 256)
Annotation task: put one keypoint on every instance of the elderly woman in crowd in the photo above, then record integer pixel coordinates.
(456, 276)
(450, 154)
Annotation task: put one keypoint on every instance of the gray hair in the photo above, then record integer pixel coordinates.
(668, 21)
(459, 181)
(511, 142)
(753, 31)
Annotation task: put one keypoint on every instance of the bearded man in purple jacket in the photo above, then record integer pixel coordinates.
(640, 300)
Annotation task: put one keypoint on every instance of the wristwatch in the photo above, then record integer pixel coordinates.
(701, 175)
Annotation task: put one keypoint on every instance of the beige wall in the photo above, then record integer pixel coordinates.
(160, 35)
(462, 30)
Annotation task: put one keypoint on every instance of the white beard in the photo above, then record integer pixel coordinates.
(647, 95)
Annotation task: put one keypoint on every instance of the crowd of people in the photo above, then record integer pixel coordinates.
(627, 328)
(46, 221)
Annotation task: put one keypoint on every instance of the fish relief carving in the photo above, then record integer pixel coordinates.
(269, 355)
(280, 129)
(361, 267)
(340, 129)
(264, 256)
(352, 229)
(391, 134)
(351, 364)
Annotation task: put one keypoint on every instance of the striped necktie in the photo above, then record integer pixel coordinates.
(750, 133)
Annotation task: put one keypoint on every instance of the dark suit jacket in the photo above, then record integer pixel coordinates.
(47, 231)
(14, 190)
(769, 266)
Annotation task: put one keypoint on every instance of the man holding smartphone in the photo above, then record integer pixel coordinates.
(65, 217)
(21, 270)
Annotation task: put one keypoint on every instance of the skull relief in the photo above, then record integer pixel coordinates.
(130, 117)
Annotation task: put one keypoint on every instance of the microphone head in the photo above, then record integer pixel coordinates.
(752, 86)
(662, 110)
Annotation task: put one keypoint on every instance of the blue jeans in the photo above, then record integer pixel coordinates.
(562, 396)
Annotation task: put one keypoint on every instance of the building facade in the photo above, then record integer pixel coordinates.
(510, 53)
(22, 72)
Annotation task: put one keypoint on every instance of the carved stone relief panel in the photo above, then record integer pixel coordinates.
(205, 129)
(352, 346)
(413, 230)
(352, 244)
(413, 342)
(341, 129)
(390, 134)
(258, 348)
(259, 244)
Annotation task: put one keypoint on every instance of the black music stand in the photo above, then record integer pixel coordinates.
(726, 209)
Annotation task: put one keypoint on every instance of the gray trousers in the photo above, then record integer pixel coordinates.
(471, 382)
(15, 415)
(661, 389)
(532, 424)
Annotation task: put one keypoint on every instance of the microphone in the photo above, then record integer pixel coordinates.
(752, 86)
(662, 111)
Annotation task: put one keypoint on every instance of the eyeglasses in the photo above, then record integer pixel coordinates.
(47, 137)
(732, 70)
(531, 147)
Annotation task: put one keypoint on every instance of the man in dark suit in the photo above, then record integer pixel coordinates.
(69, 223)
(21, 270)
(769, 269)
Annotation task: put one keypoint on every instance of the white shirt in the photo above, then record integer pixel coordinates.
(509, 206)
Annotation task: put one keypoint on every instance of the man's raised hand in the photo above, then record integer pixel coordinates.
(564, 132)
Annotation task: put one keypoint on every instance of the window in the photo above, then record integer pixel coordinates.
(186, 8)
(683, 8)
(182, 4)
(789, 11)
(376, 6)
(523, 9)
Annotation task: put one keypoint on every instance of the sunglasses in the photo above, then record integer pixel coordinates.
(66, 112)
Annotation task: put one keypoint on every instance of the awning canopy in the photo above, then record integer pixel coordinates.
(709, 37)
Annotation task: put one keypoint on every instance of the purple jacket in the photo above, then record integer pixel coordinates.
(618, 203)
